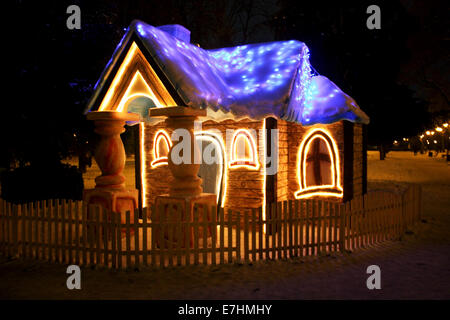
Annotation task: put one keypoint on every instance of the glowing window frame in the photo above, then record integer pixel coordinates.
(251, 163)
(328, 190)
(132, 62)
(129, 94)
(157, 159)
(218, 141)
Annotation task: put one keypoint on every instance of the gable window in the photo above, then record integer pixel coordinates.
(243, 150)
(318, 166)
(161, 146)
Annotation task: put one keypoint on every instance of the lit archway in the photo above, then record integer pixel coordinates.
(161, 147)
(218, 183)
(243, 150)
(318, 169)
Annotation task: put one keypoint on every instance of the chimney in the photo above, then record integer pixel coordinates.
(177, 31)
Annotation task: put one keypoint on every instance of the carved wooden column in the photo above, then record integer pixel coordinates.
(110, 191)
(185, 189)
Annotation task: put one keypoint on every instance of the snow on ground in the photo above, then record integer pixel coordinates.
(417, 267)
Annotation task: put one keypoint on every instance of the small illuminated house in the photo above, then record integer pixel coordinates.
(318, 150)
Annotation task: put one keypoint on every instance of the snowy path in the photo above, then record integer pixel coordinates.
(417, 267)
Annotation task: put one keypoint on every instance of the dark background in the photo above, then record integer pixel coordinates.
(398, 75)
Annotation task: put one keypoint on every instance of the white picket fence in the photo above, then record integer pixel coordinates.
(69, 232)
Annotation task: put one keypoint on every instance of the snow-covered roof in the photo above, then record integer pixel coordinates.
(255, 80)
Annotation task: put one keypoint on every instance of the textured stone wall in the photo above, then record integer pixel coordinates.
(357, 160)
(245, 187)
(283, 160)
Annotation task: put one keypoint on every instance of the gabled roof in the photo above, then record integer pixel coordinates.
(255, 80)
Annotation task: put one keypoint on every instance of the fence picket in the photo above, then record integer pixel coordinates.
(213, 234)
(113, 232)
(136, 238)
(77, 218)
(70, 224)
(106, 232)
(205, 233)
(119, 227)
(128, 240)
(230, 237)
(295, 219)
(169, 240)
(144, 236)
(278, 228)
(260, 232)
(284, 223)
(188, 233)
(153, 235)
(196, 237)
(253, 226)
(246, 244)
(314, 220)
(222, 235)
(21, 208)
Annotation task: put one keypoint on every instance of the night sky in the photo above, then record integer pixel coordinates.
(398, 74)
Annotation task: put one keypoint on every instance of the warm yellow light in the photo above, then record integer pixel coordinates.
(143, 164)
(106, 101)
(135, 61)
(252, 162)
(445, 125)
(428, 133)
(432, 133)
(334, 189)
(421, 136)
(158, 160)
(138, 87)
(264, 173)
(218, 142)
(438, 129)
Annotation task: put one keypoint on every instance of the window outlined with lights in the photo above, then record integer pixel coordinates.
(161, 147)
(216, 140)
(318, 168)
(244, 153)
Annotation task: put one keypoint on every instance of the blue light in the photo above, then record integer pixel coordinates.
(256, 79)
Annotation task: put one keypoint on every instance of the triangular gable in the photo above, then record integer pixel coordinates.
(135, 77)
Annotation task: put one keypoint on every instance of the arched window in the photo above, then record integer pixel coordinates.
(139, 104)
(213, 169)
(161, 146)
(243, 150)
(318, 166)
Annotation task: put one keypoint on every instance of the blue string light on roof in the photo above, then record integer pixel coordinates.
(256, 80)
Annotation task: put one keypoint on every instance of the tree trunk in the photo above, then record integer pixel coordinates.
(382, 151)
